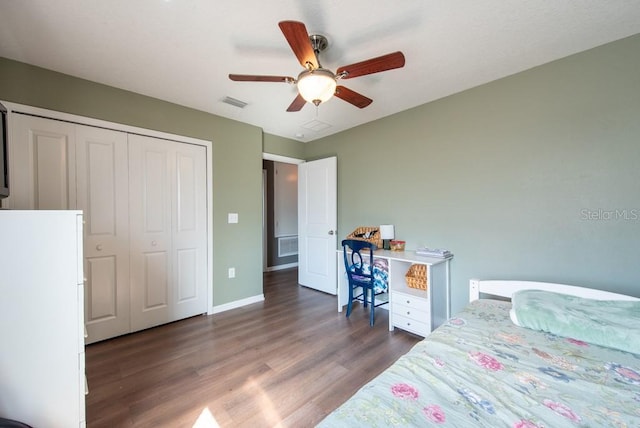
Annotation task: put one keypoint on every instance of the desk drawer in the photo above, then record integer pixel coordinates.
(409, 324)
(418, 314)
(410, 301)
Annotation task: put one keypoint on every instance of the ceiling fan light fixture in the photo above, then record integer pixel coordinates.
(317, 86)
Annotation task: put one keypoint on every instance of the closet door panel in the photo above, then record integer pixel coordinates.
(155, 190)
(186, 222)
(190, 230)
(101, 295)
(150, 224)
(103, 187)
(42, 164)
(186, 267)
(154, 281)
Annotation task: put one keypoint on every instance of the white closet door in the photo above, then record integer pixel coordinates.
(168, 230)
(145, 208)
(150, 225)
(42, 164)
(102, 192)
(189, 249)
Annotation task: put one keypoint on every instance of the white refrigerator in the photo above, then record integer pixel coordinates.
(42, 379)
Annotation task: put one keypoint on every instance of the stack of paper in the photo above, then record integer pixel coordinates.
(434, 252)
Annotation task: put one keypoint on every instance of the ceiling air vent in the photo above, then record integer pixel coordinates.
(234, 102)
(316, 125)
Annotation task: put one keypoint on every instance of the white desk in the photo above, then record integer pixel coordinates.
(411, 309)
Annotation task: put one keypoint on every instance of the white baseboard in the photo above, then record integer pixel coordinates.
(236, 304)
(280, 267)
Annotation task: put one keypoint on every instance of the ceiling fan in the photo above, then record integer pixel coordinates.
(317, 84)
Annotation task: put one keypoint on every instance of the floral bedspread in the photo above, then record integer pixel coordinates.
(481, 370)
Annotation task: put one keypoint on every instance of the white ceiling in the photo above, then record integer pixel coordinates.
(183, 50)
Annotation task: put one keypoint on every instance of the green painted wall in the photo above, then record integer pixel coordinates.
(283, 146)
(237, 159)
(506, 175)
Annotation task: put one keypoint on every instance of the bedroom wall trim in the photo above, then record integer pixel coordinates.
(238, 303)
(99, 123)
(283, 159)
(281, 267)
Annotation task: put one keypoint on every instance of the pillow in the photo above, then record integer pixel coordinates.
(611, 323)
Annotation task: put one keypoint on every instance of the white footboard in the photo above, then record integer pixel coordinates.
(506, 288)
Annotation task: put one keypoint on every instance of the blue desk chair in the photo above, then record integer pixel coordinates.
(358, 263)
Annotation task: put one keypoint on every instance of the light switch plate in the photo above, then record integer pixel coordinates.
(233, 217)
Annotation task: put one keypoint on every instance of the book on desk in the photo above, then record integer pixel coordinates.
(434, 252)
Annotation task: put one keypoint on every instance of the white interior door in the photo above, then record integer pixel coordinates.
(317, 224)
(102, 194)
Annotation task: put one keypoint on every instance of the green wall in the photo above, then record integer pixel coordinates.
(506, 174)
(237, 159)
(283, 146)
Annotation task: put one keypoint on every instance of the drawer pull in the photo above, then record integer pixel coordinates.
(408, 302)
(408, 312)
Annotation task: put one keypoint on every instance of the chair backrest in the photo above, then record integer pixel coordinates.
(358, 261)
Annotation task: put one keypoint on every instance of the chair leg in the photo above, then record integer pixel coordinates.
(349, 305)
(373, 306)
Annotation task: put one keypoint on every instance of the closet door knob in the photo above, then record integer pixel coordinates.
(154, 243)
(99, 247)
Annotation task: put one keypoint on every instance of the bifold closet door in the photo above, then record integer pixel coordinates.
(144, 202)
(102, 194)
(167, 214)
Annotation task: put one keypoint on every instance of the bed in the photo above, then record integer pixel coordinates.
(552, 356)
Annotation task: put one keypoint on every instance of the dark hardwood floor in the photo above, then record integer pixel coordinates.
(287, 361)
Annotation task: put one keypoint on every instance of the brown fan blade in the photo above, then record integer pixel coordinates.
(251, 78)
(373, 65)
(297, 104)
(352, 97)
(296, 34)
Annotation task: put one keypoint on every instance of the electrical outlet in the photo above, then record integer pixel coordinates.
(232, 272)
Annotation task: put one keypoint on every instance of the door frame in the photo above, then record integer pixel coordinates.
(82, 120)
(274, 158)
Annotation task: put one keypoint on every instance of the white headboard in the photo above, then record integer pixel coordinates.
(504, 288)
